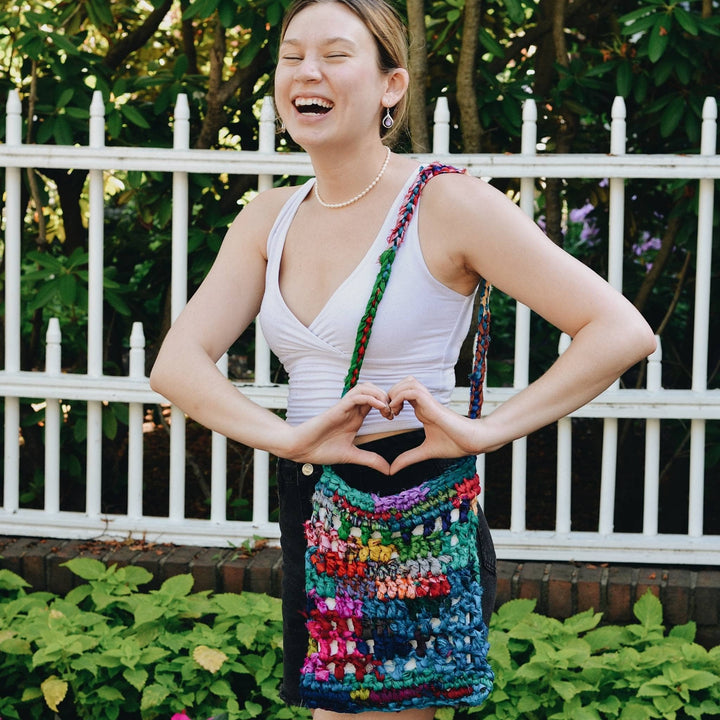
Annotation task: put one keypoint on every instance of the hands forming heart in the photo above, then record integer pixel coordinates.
(330, 437)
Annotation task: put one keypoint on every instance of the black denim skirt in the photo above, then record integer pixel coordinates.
(296, 484)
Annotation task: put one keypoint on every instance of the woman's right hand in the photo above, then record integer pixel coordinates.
(329, 438)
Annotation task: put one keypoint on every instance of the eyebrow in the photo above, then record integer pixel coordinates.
(328, 41)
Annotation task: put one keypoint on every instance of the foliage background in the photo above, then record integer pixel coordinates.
(109, 650)
(486, 56)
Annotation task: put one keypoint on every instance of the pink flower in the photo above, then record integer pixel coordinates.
(180, 716)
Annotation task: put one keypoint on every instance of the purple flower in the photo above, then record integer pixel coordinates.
(578, 215)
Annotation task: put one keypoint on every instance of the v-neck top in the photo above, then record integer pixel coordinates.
(418, 329)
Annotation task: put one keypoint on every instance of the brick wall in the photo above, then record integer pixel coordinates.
(561, 589)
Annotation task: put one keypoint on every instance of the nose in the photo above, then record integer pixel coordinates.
(308, 70)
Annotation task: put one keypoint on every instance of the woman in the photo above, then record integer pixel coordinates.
(304, 259)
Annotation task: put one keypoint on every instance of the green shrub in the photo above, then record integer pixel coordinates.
(108, 651)
(577, 670)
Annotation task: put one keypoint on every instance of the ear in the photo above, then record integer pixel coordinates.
(397, 82)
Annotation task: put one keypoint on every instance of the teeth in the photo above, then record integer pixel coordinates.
(304, 102)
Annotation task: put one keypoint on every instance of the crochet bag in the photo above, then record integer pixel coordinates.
(394, 610)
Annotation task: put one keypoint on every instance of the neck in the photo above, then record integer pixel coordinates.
(341, 175)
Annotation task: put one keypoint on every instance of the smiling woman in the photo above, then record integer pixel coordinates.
(388, 566)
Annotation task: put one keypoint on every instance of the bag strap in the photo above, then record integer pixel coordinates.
(395, 239)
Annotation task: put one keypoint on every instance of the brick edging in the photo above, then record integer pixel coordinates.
(561, 589)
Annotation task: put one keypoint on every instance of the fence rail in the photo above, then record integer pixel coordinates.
(653, 404)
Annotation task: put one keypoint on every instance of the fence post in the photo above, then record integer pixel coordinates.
(96, 271)
(136, 416)
(616, 232)
(218, 465)
(703, 267)
(53, 367)
(441, 127)
(652, 448)
(261, 459)
(13, 233)
(563, 502)
(181, 141)
(521, 362)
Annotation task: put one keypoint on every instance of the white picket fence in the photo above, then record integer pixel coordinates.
(654, 404)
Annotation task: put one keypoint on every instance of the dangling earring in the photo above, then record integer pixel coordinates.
(281, 128)
(387, 121)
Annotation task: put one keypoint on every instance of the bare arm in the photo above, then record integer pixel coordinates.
(497, 241)
(222, 308)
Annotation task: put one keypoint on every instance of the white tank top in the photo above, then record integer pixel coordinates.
(418, 330)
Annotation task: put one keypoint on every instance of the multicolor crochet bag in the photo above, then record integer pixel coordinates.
(394, 611)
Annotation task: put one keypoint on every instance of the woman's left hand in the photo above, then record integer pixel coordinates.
(447, 434)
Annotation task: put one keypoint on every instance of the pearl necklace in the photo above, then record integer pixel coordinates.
(334, 206)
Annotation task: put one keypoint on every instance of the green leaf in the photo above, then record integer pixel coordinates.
(86, 568)
(633, 16)
(105, 692)
(200, 8)
(701, 679)
(63, 43)
(686, 631)
(109, 424)
(67, 285)
(31, 693)
(10, 581)
(15, 646)
(62, 131)
(147, 612)
(513, 612)
(648, 610)
(528, 704)
(515, 11)
(635, 711)
(65, 97)
(227, 13)
(134, 116)
(624, 79)
(177, 586)
(252, 708)
(137, 677)
(99, 12)
(685, 20)
(245, 633)
(153, 695)
(134, 575)
(221, 688)
(659, 38)
(672, 116)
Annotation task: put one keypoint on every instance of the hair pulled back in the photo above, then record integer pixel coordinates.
(390, 37)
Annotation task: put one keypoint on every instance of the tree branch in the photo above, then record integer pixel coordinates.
(138, 37)
(417, 118)
(472, 130)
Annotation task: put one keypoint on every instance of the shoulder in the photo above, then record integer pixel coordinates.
(253, 223)
(450, 193)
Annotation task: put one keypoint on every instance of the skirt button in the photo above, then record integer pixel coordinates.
(307, 469)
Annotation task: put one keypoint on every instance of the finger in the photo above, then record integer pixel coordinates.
(370, 459)
(372, 397)
(409, 457)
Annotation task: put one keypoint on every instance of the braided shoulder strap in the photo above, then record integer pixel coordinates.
(395, 239)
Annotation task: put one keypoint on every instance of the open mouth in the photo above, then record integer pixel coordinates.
(313, 106)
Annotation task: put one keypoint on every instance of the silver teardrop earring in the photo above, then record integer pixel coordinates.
(387, 121)
(281, 128)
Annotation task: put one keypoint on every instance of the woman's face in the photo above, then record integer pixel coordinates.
(328, 86)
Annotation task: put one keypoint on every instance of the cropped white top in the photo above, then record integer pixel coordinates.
(418, 330)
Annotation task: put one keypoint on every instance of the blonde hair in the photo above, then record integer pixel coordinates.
(390, 37)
